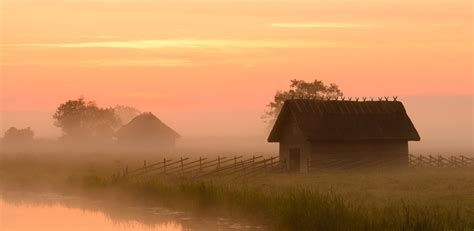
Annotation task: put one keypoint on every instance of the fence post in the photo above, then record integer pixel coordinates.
(182, 165)
(218, 162)
(200, 164)
(307, 165)
(235, 162)
(144, 165)
(164, 165)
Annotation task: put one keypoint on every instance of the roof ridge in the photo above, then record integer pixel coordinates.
(349, 99)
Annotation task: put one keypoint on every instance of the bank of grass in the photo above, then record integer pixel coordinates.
(361, 201)
(411, 199)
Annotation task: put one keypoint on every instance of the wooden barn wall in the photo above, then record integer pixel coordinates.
(361, 150)
(293, 138)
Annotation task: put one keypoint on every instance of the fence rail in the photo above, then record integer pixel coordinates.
(412, 161)
(440, 161)
(236, 167)
(243, 167)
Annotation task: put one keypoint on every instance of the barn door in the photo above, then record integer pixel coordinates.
(295, 159)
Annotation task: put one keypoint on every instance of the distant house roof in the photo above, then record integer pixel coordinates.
(146, 125)
(331, 120)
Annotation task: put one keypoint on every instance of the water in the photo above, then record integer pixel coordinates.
(51, 212)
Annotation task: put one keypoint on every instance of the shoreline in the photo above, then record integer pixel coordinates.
(413, 199)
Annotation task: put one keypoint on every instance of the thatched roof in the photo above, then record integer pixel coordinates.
(146, 125)
(331, 120)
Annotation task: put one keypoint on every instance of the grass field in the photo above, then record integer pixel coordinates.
(409, 199)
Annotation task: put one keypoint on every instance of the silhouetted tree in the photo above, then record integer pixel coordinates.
(81, 119)
(126, 113)
(299, 89)
(14, 135)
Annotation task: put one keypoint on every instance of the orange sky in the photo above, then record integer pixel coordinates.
(219, 61)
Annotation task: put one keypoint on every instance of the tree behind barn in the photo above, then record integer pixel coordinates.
(126, 113)
(299, 89)
(80, 119)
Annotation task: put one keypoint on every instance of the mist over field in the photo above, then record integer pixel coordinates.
(445, 123)
(285, 115)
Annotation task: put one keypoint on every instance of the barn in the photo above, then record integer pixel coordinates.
(342, 131)
(147, 132)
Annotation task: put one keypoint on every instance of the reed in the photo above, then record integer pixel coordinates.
(343, 201)
(410, 199)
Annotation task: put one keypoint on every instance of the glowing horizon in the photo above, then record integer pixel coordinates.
(221, 61)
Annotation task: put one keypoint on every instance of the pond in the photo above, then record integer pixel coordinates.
(52, 212)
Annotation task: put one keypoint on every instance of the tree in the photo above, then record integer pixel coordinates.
(84, 119)
(14, 135)
(126, 113)
(300, 89)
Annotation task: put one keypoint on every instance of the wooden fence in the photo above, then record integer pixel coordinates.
(413, 161)
(239, 166)
(201, 167)
(440, 161)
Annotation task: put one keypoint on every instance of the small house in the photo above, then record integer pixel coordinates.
(147, 132)
(342, 133)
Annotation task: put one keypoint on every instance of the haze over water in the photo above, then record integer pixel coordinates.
(27, 211)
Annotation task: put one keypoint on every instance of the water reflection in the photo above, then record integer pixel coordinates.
(28, 211)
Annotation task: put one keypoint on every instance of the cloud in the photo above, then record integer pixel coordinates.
(145, 62)
(186, 44)
(319, 25)
(98, 36)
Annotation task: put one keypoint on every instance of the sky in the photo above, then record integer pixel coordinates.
(209, 67)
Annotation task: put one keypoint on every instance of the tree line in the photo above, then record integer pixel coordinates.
(82, 119)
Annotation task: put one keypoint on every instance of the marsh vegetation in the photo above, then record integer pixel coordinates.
(409, 199)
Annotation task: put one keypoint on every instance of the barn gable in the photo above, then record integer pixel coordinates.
(331, 120)
(146, 126)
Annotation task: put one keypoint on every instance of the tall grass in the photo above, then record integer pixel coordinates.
(437, 199)
(302, 208)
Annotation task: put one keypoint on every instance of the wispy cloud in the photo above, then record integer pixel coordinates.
(319, 25)
(186, 43)
(98, 36)
(145, 62)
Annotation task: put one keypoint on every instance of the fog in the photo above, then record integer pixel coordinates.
(101, 215)
(445, 124)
